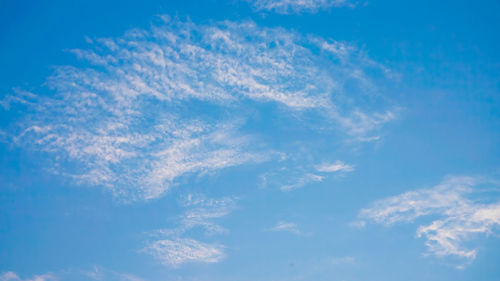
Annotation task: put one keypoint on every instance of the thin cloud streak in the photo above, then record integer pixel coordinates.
(181, 250)
(297, 6)
(98, 273)
(284, 226)
(460, 217)
(172, 248)
(337, 166)
(11, 276)
(303, 181)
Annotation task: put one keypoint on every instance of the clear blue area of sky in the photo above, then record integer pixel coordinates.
(447, 55)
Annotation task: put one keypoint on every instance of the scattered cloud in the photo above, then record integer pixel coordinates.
(172, 248)
(177, 251)
(19, 97)
(357, 224)
(135, 118)
(359, 124)
(142, 165)
(297, 6)
(343, 260)
(337, 166)
(302, 181)
(460, 205)
(286, 227)
(203, 211)
(295, 175)
(99, 273)
(11, 276)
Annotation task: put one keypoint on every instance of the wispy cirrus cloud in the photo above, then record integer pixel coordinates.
(203, 211)
(19, 97)
(337, 166)
(343, 260)
(462, 211)
(302, 181)
(167, 102)
(171, 246)
(285, 226)
(173, 252)
(298, 6)
(301, 175)
(97, 273)
(141, 165)
(11, 276)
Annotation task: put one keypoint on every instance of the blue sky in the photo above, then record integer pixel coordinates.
(249, 140)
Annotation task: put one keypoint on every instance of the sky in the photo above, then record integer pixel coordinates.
(246, 140)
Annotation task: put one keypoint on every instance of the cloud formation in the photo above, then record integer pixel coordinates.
(300, 174)
(156, 105)
(302, 181)
(462, 211)
(337, 166)
(297, 6)
(11, 276)
(177, 251)
(286, 227)
(98, 273)
(173, 248)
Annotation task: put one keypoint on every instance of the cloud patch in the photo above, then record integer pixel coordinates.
(302, 181)
(181, 250)
(98, 273)
(463, 209)
(159, 104)
(11, 276)
(172, 247)
(286, 227)
(337, 166)
(297, 6)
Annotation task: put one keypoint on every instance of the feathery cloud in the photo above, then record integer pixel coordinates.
(298, 173)
(152, 106)
(462, 214)
(11, 276)
(286, 227)
(297, 6)
(172, 248)
(173, 252)
(98, 273)
(302, 181)
(337, 166)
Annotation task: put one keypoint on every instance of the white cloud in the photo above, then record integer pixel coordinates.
(358, 224)
(461, 212)
(203, 211)
(343, 260)
(136, 165)
(101, 274)
(19, 97)
(297, 6)
(174, 249)
(173, 252)
(337, 166)
(287, 227)
(297, 174)
(302, 181)
(98, 273)
(359, 124)
(128, 121)
(11, 276)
